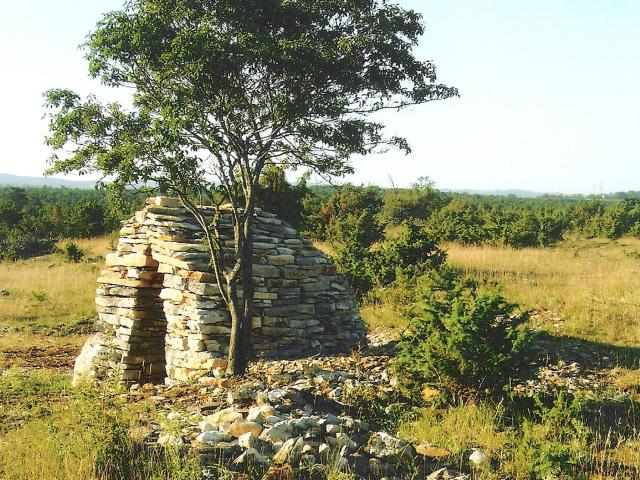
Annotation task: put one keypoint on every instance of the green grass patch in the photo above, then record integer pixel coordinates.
(25, 396)
(84, 434)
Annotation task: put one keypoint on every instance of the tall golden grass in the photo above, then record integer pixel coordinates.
(49, 290)
(584, 288)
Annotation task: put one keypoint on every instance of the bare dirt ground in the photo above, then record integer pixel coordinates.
(54, 357)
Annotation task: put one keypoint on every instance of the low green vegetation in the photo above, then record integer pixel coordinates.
(33, 220)
(474, 219)
(51, 430)
(367, 266)
(71, 252)
(460, 334)
(562, 438)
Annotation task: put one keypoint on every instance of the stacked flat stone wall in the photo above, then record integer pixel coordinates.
(160, 312)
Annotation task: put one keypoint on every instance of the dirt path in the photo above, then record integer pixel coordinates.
(58, 357)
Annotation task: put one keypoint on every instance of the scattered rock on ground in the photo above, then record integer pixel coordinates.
(288, 415)
(446, 474)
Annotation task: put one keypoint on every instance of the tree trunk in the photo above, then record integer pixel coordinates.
(246, 260)
(241, 310)
(234, 360)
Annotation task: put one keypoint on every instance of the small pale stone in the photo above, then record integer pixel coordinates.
(383, 445)
(427, 450)
(276, 395)
(279, 432)
(309, 449)
(251, 458)
(289, 452)
(248, 440)
(213, 437)
(165, 202)
(332, 429)
(240, 427)
(255, 415)
(227, 415)
(272, 420)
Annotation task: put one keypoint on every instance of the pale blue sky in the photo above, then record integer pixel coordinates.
(550, 96)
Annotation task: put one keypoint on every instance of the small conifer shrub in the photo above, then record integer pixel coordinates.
(461, 334)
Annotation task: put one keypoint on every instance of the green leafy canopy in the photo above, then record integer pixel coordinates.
(223, 87)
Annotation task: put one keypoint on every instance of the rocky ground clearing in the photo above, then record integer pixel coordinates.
(287, 419)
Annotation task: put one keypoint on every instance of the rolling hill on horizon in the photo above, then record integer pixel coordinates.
(9, 179)
(25, 181)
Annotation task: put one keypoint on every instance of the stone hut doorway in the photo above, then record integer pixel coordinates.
(131, 311)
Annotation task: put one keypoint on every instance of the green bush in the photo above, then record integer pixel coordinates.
(410, 254)
(16, 244)
(354, 261)
(494, 221)
(615, 221)
(522, 232)
(461, 334)
(555, 444)
(33, 219)
(71, 252)
(461, 221)
(417, 202)
(276, 195)
(351, 215)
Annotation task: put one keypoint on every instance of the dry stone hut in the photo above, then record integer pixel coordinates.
(161, 316)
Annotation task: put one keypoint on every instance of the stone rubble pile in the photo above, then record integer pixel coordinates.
(571, 377)
(293, 415)
(161, 313)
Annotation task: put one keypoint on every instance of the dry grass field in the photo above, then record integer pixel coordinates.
(584, 296)
(587, 289)
(46, 306)
(582, 288)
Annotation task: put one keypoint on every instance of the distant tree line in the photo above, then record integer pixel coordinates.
(354, 219)
(472, 219)
(33, 219)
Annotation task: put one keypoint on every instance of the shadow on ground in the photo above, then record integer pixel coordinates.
(588, 353)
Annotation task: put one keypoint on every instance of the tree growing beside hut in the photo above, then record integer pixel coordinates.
(224, 88)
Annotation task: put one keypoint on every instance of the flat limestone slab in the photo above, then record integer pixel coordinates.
(128, 282)
(130, 260)
(165, 202)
